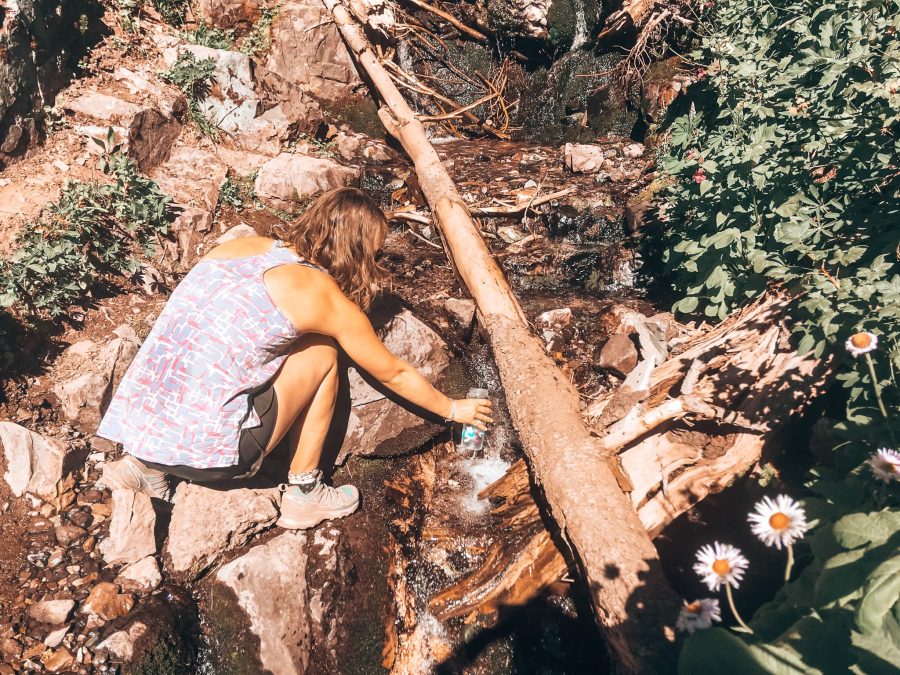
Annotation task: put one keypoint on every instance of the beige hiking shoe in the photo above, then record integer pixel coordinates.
(132, 474)
(302, 510)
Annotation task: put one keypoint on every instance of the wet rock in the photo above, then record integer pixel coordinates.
(121, 643)
(147, 132)
(142, 576)
(68, 534)
(86, 374)
(207, 522)
(34, 463)
(307, 50)
(288, 592)
(53, 612)
(461, 310)
(619, 354)
(60, 660)
(287, 179)
(237, 15)
(377, 426)
(131, 530)
(520, 18)
(106, 602)
(54, 638)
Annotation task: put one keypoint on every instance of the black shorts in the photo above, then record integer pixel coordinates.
(251, 447)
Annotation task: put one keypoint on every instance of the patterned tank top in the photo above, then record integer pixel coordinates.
(184, 399)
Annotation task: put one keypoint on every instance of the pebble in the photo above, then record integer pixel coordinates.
(81, 518)
(106, 602)
(56, 557)
(53, 612)
(12, 649)
(54, 639)
(66, 534)
(61, 659)
(39, 524)
(88, 544)
(91, 496)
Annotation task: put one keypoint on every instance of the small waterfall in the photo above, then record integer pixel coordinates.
(581, 31)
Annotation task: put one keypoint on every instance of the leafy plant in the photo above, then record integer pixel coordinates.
(258, 41)
(194, 77)
(237, 192)
(782, 168)
(93, 231)
(172, 11)
(209, 36)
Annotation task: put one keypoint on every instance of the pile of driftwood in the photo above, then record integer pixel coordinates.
(683, 425)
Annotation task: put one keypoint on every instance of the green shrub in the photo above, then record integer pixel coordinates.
(194, 77)
(259, 39)
(209, 36)
(93, 231)
(782, 167)
(172, 11)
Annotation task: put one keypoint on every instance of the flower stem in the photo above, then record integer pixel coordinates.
(790, 563)
(876, 385)
(734, 609)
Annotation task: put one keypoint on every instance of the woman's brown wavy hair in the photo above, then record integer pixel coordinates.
(341, 232)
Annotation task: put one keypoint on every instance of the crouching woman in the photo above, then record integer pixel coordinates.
(244, 354)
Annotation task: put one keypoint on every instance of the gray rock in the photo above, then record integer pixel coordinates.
(53, 612)
(87, 373)
(131, 529)
(192, 177)
(142, 576)
(378, 426)
(147, 132)
(34, 463)
(287, 179)
(307, 50)
(288, 591)
(239, 231)
(461, 310)
(206, 523)
(121, 643)
(54, 638)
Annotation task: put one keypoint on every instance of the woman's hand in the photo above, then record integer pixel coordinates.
(474, 411)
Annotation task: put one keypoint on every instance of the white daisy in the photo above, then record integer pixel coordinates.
(720, 563)
(885, 464)
(778, 523)
(861, 343)
(699, 614)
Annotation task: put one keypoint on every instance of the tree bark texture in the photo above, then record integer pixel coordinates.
(633, 601)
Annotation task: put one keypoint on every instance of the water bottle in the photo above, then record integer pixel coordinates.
(472, 438)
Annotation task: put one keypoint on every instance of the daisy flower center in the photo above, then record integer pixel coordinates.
(693, 608)
(779, 521)
(861, 340)
(721, 567)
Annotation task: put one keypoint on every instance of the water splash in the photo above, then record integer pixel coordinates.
(581, 30)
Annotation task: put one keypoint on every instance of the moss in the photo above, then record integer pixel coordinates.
(232, 646)
(360, 112)
(561, 20)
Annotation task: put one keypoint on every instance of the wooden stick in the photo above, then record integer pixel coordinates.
(452, 20)
(633, 601)
(519, 208)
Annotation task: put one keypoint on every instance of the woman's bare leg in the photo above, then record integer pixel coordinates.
(306, 387)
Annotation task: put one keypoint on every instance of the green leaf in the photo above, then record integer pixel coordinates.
(864, 528)
(881, 593)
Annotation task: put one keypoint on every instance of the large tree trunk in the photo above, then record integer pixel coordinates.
(632, 599)
(751, 379)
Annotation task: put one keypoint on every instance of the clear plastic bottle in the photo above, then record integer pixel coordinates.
(472, 438)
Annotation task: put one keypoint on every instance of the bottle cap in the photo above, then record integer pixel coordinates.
(477, 393)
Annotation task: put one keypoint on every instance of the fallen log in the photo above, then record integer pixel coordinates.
(752, 378)
(633, 602)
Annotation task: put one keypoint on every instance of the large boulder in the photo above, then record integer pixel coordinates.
(308, 50)
(146, 132)
(34, 463)
(285, 181)
(237, 15)
(131, 530)
(206, 523)
(378, 426)
(87, 373)
(288, 594)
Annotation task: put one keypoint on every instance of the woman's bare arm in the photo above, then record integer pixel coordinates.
(321, 307)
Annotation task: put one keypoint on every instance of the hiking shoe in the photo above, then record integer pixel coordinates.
(301, 510)
(132, 474)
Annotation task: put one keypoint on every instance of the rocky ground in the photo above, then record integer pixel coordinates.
(100, 581)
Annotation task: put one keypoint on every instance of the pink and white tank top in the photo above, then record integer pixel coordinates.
(184, 399)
